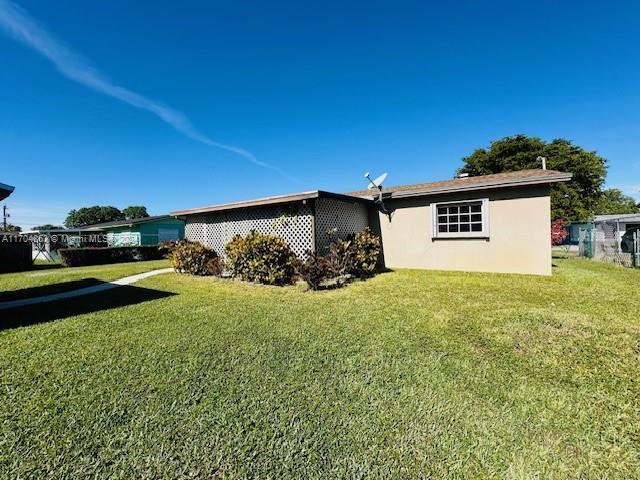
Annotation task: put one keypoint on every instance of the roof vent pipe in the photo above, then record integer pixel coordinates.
(544, 162)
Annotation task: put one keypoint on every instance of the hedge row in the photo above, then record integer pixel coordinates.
(79, 257)
(15, 255)
(267, 259)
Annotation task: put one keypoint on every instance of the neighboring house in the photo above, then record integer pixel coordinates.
(46, 243)
(140, 231)
(618, 228)
(5, 191)
(491, 223)
(573, 232)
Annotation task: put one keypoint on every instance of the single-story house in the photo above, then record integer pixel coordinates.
(46, 243)
(573, 232)
(140, 231)
(120, 233)
(490, 223)
(618, 228)
(5, 190)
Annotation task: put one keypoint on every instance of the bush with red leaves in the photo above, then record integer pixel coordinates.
(559, 232)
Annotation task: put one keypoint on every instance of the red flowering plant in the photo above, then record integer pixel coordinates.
(559, 231)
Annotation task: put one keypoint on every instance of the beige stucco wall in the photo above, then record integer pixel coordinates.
(519, 234)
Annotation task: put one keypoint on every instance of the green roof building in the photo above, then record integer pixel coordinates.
(140, 231)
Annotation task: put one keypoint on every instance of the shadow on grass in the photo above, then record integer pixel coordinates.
(345, 280)
(45, 266)
(31, 267)
(48, 289)
(94, 302)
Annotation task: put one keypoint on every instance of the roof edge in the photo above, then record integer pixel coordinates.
(272, 200)
(522, 182)
(125, 223)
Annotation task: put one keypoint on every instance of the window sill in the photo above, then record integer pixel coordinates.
(462, 236)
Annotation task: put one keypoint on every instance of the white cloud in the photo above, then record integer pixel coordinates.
(17, 23)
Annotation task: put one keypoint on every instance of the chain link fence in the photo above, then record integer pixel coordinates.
(604, 241)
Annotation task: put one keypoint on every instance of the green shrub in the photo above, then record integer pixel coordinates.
(216, 267)
(79, 257)
(340, 258)
(194, 258)
(314, 270)
(261, 258)
(327, 271)
(167, 247)
(365, 254)
(345, 259)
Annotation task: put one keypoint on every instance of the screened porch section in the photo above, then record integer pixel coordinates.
(309, 225)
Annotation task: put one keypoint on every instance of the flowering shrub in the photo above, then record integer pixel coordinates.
(559, 232)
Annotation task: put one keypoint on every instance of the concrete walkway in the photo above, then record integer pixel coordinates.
(83, 291)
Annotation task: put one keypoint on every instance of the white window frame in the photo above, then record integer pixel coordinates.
(484, 211)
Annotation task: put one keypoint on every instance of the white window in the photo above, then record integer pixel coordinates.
(466, 219)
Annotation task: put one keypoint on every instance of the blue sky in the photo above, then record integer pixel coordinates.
(309, 95)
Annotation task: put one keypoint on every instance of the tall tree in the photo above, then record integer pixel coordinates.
(92, 215)
(613, 200)
(135, 211)
(574, 200)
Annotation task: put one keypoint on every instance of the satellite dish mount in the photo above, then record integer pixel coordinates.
(377, 185)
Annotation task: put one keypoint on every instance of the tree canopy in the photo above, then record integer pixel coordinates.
(10, 228)
(99, 214)
(613, 200)
(92, 215)
(48, 226)
(574, 200)
(135, 211)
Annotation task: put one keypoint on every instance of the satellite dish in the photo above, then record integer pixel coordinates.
(377, 183)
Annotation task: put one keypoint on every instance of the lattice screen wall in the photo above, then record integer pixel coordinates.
(293, 223)
(335, 218)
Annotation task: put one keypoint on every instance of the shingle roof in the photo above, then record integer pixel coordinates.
(499, 180)
(273, 200)
(482, 182)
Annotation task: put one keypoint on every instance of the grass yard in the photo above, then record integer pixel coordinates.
(46, 278)
(410, 374)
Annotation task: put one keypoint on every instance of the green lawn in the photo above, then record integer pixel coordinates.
(57, 278)
(410, 374)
